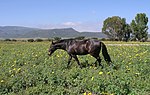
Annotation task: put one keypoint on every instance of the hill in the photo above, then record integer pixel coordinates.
(26, 32)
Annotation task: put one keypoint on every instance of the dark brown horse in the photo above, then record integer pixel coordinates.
(81, 47)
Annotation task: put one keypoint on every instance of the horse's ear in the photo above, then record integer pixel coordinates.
(52, 42)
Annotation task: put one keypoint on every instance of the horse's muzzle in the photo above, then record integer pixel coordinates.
(49, 54)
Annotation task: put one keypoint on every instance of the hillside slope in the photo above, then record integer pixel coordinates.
(25, 32)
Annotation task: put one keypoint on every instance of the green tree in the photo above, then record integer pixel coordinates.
(127, 32)
(139, 27)
(114, 27)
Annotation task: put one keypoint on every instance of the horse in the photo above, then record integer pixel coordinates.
(76, 47)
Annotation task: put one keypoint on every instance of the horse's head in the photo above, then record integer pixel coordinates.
(54, 46)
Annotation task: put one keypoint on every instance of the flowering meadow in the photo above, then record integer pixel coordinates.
(26, 69)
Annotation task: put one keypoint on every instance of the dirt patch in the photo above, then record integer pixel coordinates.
(128, 44)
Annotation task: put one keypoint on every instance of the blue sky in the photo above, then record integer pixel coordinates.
(83, 15)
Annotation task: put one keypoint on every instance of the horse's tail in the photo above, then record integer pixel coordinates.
(105, 53)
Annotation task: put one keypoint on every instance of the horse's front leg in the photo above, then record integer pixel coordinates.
(76, 58)
(69, 60)
(95, 63)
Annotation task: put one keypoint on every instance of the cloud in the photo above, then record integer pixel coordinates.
(69, 24)
(79, 26)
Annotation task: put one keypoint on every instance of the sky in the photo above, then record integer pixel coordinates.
(82, 15)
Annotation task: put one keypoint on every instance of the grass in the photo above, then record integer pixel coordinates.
(25, 69)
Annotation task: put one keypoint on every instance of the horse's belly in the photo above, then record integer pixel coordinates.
(84, 52)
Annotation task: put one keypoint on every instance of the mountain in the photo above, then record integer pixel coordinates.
(26, 32)
(15, 31)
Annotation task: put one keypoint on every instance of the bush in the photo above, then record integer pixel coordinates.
(30, 40)
(57, 38)
(80, 38)
(95, 38)
(14, 40)
(7, 40)
(48, 39)
(38, 40)
(105, 39)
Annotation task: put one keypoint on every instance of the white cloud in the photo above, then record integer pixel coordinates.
(69, 23)
(79, 26)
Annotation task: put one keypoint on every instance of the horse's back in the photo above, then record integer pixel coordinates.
(78, 47)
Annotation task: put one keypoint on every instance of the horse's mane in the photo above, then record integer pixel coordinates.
(62, 40)
(69, 40)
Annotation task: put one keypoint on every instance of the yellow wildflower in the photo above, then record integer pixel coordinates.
(57, 55)
(130, 63)
(2, 81)
(14, 69)
(18, 70)
(108, 73)
(112, 94)
(13, 65)
(94, 68)
(9, 71)
(128, 69)
(137, 55)
(92, 78)
(137, 73)
(100, 73)
(84, 93)
(90, 93)
(12, 75)
(52, 72)
(34, 65)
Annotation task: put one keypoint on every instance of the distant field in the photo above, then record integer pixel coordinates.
(122, 42)
(26, 69)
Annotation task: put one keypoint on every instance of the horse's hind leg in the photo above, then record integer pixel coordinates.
(75, 57)
(97, 59)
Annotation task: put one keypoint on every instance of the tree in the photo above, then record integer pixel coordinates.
(127, 32)
(114, 27)
(139, 27)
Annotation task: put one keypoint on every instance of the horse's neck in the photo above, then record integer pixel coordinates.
(62, 46)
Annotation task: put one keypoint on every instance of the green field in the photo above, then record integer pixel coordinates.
(26, 69)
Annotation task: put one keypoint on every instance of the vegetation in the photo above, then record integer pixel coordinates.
(7, 40)
(80, 38)
(116, 28)
(140, 27)
(30, 40)
(25, 68)
(57, 38)
(38, 40)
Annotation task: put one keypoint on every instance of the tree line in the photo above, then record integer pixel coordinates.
(117, 28)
